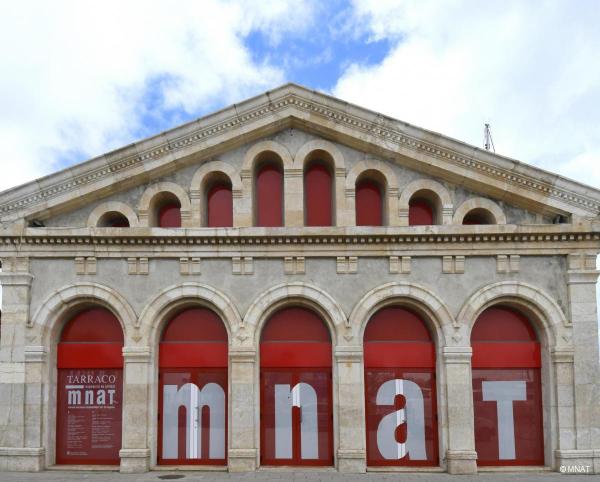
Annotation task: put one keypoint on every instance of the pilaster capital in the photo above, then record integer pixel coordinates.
(35, 354)
(348, 354)
(137, 354)
(562, 355)
(457, 354)
(582, 277)
(16, 279)
(242, 355)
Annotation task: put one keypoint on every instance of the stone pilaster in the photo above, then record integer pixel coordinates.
(562, 360)
(135, 451)
(293, 188)
(581, 282)
(351, 431)
(20, 437)
(461, 456)
(242, 454)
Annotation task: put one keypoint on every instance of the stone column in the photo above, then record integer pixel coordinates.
(135, 451)
(243, 202)
(242, 454)
(581, 281)
(350, 430)
(20, 443)
(461, 455)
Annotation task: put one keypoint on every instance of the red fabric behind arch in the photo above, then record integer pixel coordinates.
(219, 206)
(369, 203)
(269, 195)
(318, 199)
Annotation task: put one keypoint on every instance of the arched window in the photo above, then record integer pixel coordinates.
(399, 358)
(370, 195)
(219, 204)
(192, 398)
(296, 392)
(268, 196)
(507, 393)
(318, 192)
(165, 211)
(424, 208)
(113, 219)
(479, 216)
(89, 401)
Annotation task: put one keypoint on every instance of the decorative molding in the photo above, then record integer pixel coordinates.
(294, 265)
(581, 261)
(243, 265)
(400, 264)
(347, 265)
(189, 266)
(507, 264)
(453, 264)
(85, 266)
(308, 103)
(136, 266)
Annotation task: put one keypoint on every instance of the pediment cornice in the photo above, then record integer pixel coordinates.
(293, 105)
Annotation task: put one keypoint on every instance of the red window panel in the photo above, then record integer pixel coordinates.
(188, 440)
(422, 450)
(400, 376)
(219, 206)
(281, 431)
(510, 431)
(420, 213)
(192, 398)
(169, 216)
(369, 203)
(296, 392)
(90, 389)
(318, 195)
(269, 196)
(507, 389)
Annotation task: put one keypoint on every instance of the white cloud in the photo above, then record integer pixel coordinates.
(74, 73)
(529, 68)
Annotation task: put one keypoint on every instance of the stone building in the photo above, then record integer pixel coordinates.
(295, 280)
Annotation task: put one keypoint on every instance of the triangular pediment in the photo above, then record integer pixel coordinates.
(288, 106)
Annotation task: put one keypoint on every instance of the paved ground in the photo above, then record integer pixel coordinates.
(281, 476)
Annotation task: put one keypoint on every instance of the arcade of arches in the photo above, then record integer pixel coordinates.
(297, 418)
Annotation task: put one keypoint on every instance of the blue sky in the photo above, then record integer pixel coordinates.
(80, 79)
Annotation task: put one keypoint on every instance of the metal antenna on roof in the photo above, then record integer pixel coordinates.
(488, 143)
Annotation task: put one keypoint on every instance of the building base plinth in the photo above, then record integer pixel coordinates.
(351, 461)
(461, 462)
(582, 462)
(134, 461)
(22, 459)
(242, 460)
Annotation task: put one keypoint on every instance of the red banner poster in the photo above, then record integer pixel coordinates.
(89, 414)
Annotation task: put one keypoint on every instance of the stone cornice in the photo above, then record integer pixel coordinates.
(91, 240)
(283, 107)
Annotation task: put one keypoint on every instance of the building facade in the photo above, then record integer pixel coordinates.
(297, 281)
